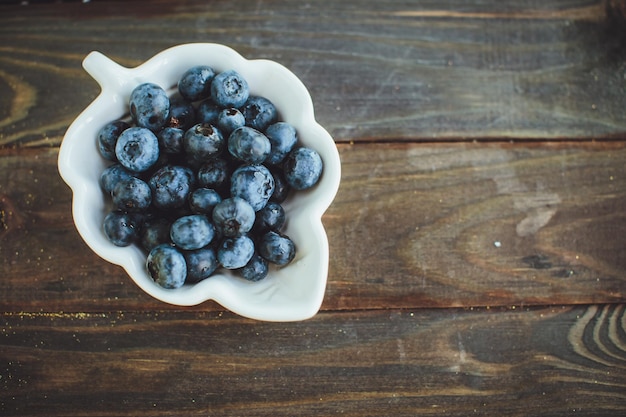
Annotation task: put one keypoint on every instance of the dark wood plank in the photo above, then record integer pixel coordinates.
(413, 225)
(376, 70)
(557, 361)
(473, 224)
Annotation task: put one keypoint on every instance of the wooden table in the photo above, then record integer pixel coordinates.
(477, 242)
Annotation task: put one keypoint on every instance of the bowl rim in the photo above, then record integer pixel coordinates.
(116, 82)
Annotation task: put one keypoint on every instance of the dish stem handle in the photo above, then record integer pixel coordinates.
(106, 72)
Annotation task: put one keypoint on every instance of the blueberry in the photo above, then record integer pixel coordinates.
(154, 232)
(208, 112)
(249, 145)
(281, 187)
(192, 232)
(122, 228)
(203, 200)
(137, 149)
(215, 174)
(201, 263)
(203, 141)
(107, 138)
(171, 186)
(171, 140)
(259, 113)
(182, 114)
(112, 175)
(253, 183)
(229, 120)
(149, 106)
(233, 216)
(167, 266)
(131, 194)
(283, 138)
(302, 168)
(256, 269)
(277, 248)
(235, 252)
(229, 89)
(195, 83)
(271, 217)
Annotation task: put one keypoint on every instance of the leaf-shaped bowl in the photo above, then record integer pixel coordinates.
(291, 293)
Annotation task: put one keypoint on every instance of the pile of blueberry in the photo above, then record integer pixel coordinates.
(197, 178)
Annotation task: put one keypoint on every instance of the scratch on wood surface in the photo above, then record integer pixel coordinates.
(590, 13)
(54, 315)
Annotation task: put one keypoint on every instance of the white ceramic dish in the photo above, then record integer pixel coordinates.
(291, 293)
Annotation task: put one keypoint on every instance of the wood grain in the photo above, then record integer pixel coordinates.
(477, 242)
(473, 224)
(377, 71)
(560, 360)
(413, 225)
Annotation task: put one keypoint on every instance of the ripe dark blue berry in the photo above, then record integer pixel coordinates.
(203, 142)
(281, 187)
(283, 138)
(154, 232)
(302, 168)
(167, 266)
(253, 183)
(192, 232)
(208, 112)
(137, 149)
(149, 106)
(215, 174)
(249, 145)
(271, 217)
(259, 113)
(235, 252)
(131, 194)
(233, 216)
(182, 114)
(201, 264)
(195, 83)
(112, 175)
(229, 89)
(256, 269)
(171, 140)
(171, 186)
(203, 200)
(277, 248)
(107, 138)
(122, 228)
(229, 120)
